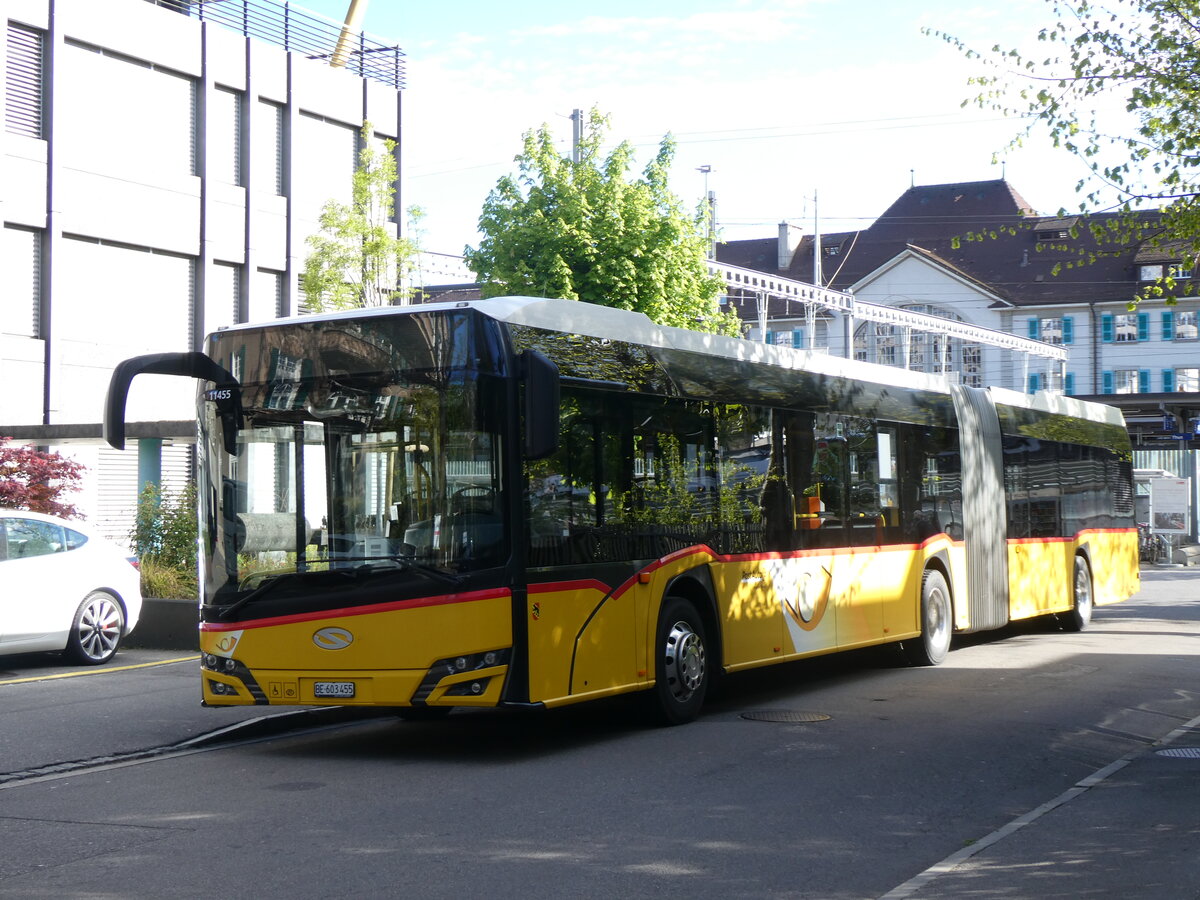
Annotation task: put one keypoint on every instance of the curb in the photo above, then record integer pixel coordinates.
(166, 624)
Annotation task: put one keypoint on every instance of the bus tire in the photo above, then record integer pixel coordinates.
(682, 672)
(937, 622)
(1080, 615)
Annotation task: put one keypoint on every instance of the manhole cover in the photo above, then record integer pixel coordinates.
(790, 716)
(1181, 752)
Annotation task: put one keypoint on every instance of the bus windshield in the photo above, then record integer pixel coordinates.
(370, 457)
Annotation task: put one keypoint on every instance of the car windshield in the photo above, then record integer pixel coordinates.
(368, 455)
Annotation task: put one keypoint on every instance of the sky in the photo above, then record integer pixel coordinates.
(815, 112)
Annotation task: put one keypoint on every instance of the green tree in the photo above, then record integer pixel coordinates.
(356, 259)
(585, 231)
(1143, 55)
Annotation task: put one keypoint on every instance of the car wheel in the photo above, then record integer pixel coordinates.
(97, 629)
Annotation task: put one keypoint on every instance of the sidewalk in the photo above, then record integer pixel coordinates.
(1129, 831)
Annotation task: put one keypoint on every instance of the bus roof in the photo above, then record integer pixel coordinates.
(593, 320)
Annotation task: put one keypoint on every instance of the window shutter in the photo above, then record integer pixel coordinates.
(1034, 331)
(1033, 383)
(1106, 331)
(21, 282)
(1143, 381)
(1069, 384)
(1068, 330)
(1168, 381)
(225, 136)
(798, 338)
(1143, 320)
(24, 84)
(770, 337)
(1168, 325)
(1108, 383)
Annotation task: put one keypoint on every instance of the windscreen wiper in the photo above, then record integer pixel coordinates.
(263, 588)
(406, 562)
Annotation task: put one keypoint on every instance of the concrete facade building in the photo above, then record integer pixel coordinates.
(160, 168)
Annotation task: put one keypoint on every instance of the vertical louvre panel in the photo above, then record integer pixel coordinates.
(266, 296)
(1068, 330)
(267, 157)
(21, 282)
(1106, 328)
(24, 87)
(1069, 384)
(222, 298)
(224, 144)
(1168, 325)
(116, 494)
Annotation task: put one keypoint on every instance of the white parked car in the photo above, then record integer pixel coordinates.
(64, 587)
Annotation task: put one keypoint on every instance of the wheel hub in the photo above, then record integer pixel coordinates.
(684, 660)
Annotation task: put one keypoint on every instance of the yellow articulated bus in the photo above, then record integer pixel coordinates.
(525, 502)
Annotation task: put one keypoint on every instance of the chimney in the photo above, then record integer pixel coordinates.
(789, 240)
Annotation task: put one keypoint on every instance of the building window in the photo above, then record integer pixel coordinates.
(972, 365)
(1125, 328)
(1184, 380)
(222, 299)
(1183, 325)
(21, 278)
(266, 297)
(1127, 381)
(144, 113)
(224, 141)
(267, 159)
(1150, 273)
(24, 94)
(1180, 270)
(1058, 330)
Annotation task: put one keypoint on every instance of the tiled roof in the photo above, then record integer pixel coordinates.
(985, 232)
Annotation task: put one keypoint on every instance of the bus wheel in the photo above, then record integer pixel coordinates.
(682, 665)
(937, 622)
(1081, 610)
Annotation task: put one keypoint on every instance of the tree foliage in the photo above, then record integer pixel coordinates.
(165, 529)
(36, 480)
(356, 259)
(585, 231)
(1142, 55)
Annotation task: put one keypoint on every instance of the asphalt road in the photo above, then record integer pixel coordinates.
(888, 770)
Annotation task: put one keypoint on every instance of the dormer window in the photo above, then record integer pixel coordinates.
(1150, 273)
(1180, 270)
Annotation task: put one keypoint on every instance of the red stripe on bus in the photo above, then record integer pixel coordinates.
(415, 603)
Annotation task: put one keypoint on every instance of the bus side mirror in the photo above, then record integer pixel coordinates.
(541, 404)
(189, 365)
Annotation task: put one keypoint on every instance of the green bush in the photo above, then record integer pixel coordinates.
(164, 537)
(167, 582)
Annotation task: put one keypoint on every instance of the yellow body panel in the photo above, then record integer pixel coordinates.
(386, 651)
(1041, 572)
(587, 640)
(1040, 576)
(581, 641)
(777, 608)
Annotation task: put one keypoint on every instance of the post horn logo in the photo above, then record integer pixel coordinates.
(333, 638)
